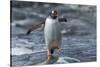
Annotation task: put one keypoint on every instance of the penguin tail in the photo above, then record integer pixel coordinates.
(52, 51)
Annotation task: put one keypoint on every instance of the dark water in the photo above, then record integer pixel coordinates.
(78, 40)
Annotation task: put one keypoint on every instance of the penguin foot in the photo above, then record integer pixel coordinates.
(60, 49)
(50, 52)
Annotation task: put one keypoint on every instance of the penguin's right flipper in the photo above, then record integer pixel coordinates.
(34, 27)
(28, 32)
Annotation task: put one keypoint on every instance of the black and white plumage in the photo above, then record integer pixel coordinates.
(52, 30)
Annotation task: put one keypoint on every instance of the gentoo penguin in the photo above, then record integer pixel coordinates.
(52, 31)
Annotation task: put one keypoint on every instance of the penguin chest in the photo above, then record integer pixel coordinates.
(52, 31)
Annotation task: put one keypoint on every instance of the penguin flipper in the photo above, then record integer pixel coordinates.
(28, 32)
(34, 27)
(62, 20)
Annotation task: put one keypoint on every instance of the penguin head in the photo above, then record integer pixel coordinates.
(53, 14)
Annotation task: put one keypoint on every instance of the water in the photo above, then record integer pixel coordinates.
(78, 36)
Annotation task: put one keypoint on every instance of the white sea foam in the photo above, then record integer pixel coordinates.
(61, 60)
(21, 51)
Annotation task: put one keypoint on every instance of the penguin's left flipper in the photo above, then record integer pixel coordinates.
(62, 20)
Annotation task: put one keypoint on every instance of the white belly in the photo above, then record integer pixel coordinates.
(52, 32)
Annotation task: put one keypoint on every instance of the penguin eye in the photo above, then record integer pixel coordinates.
(54, 14)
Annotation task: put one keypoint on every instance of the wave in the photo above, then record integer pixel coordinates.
(61, 60)
(23, 50)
